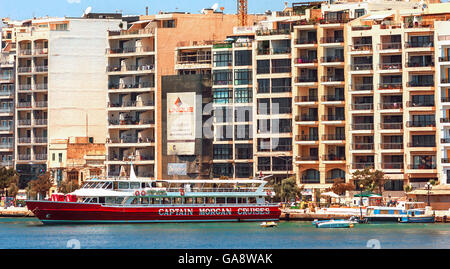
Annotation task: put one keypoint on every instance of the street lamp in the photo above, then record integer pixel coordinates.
(428, 187)
(360, 199)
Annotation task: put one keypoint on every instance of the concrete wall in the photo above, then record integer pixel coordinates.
(77, 93)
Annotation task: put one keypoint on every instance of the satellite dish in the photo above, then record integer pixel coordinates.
(215, 6)
(88, 10)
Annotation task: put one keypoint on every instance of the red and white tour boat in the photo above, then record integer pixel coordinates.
(138, 200)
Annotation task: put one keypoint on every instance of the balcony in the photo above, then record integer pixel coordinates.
(24, 157)
(391, 145)
(24, 140)
(333, 157)
(137, 123)
(307, 158)
(420, 64)
(40, 121)
(363, 106)
(332, 79)
(6, 128)
(309, 180)
(444, 59)
(420, 104)
(40, 157)
(123, 86)
(306, 79)
(24, 105)
(361, 67)
(40, 140)
(391, 46)
(363, 146)
(420, 144)
(24, 69)
(130, 34)
(361, 47)
(307, 138)
(332, 59)
(304, 99)
(362, 87)
(129, 50)
(130, 105)
(422, 166)
(392, 165)
(333, 137)
(391, 125)
(25, 52)
(305, 61)
(131, 139)
(362, 126)
(331, 39)
(130, 68)
(423, 44)
(363, 165)
(333, 117)
(6, 146)
(421, 124)
(41, 104)
(391, 66)
(333, 98)
(23, 122)
(390, 86)
(305, 41)
(396, 105)
(420, 84)
(273, 32)
(306, 117)
(40, 69)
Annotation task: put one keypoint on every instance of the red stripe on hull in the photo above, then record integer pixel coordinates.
(79, 212)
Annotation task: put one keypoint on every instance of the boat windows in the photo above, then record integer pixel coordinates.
(101, 200)
(134, 185)
(177, 200)
(231, 200)
(110, 200)
(124, 185)
(108, 186)
(241, 200)
(99, 185)
(94, 200)
(220, 200)
(120, 200)
(210, 200)
(200, 200)
(135, 201)
(144, 200)
(252, 200)
(189, 200)
(165, 201)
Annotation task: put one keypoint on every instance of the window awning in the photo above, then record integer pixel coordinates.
(377, 16)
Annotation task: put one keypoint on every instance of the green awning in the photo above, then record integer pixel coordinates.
(365, 194)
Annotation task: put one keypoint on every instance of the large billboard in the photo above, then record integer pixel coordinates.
(181, 123)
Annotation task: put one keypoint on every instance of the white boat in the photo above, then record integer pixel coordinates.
(334, 224)
(269, 224)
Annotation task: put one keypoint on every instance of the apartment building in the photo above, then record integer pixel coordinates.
(138, 58)
(7, 93)
(61, 85)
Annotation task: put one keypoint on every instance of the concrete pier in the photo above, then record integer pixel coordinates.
(12, 212)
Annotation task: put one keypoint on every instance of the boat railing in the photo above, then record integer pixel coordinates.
(188, 205)
(242, 189)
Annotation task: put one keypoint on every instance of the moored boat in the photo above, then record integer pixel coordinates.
(267, 224)
(417, 216)
(135, 200)
(334, 224)
(384, 213)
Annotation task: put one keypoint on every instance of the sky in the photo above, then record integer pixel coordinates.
(25, 9)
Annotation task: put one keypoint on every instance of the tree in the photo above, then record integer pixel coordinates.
(340, 187)
(287, 189)
(68, 186)
(407, 188)
(9, 179)
(370, 179)
(41, 185)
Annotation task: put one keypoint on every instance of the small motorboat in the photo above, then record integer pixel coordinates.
(269, 224)
(342, 223)
(417, 216)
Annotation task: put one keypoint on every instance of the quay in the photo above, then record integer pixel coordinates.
(13, 212)
(303, 215)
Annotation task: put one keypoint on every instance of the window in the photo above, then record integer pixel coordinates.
(243, 132)
(424, 140)
(263, 67)
(243, 95)
(223, 114)
(222, 96)
(359, 12)
(281, 126)
(244, 170)
(244, 151)
(394, 185)
(243, 77)
(243, 114)
(61, 27)
(60, 157)
(223, 169)
(242, 57)
(281, 85)
(222, 59)
(281, 66)
(222, 77)
(281, 105)
(423, 100)
(223, 152)
(72, 176)
(263, 85)
(168, 24)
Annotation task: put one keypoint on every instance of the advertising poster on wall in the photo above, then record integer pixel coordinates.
(181, 123)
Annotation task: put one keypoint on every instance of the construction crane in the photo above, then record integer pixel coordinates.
(242, 12)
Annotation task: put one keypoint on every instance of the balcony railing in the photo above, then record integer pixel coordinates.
(362, 126)
(362, 87)
(280, 69)
(307, 138)
(40, 121)
(391, 125)
(24, 122)
(333, 157)
(24, 69)
(396, 105)
(25, 87)
(308, 180)
(391, 46)
(420, 64)
(24, 105)
(306, 117)
(129, 50)
(362, 146)
(42, 86)
(307, 158)
(6, 110)
(363, 165)
(422, 166)
(361, 47)
(420, 144)
(303, 41)
(24, 157)
(333, 117)
(361, 67)
(299, 99)
(332, 59)
(6, 146)
(132, 104)
(131, 122)
(131, 139)
(117, 68)
(390, 66)
(41, 104)
(40, 140)
(333, 98)
(391, 145)
(24, 140)
(392, 165)
(420, 104)
(331, 39)
(273, 32)
(6, 128)
(122, 86)
(390, 86)
(332, 79)
(364, 106)
(421, 124)
(423, 44)
(420, 84)
(40, 157)
(445, 120)
(305, 60)
(444, 59)
(42, 68)
(305, 79)
(333, 137)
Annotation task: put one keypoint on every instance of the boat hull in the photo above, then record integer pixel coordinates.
(66, 212)
(430, 219)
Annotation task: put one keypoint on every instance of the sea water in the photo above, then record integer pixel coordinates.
(29, 233)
